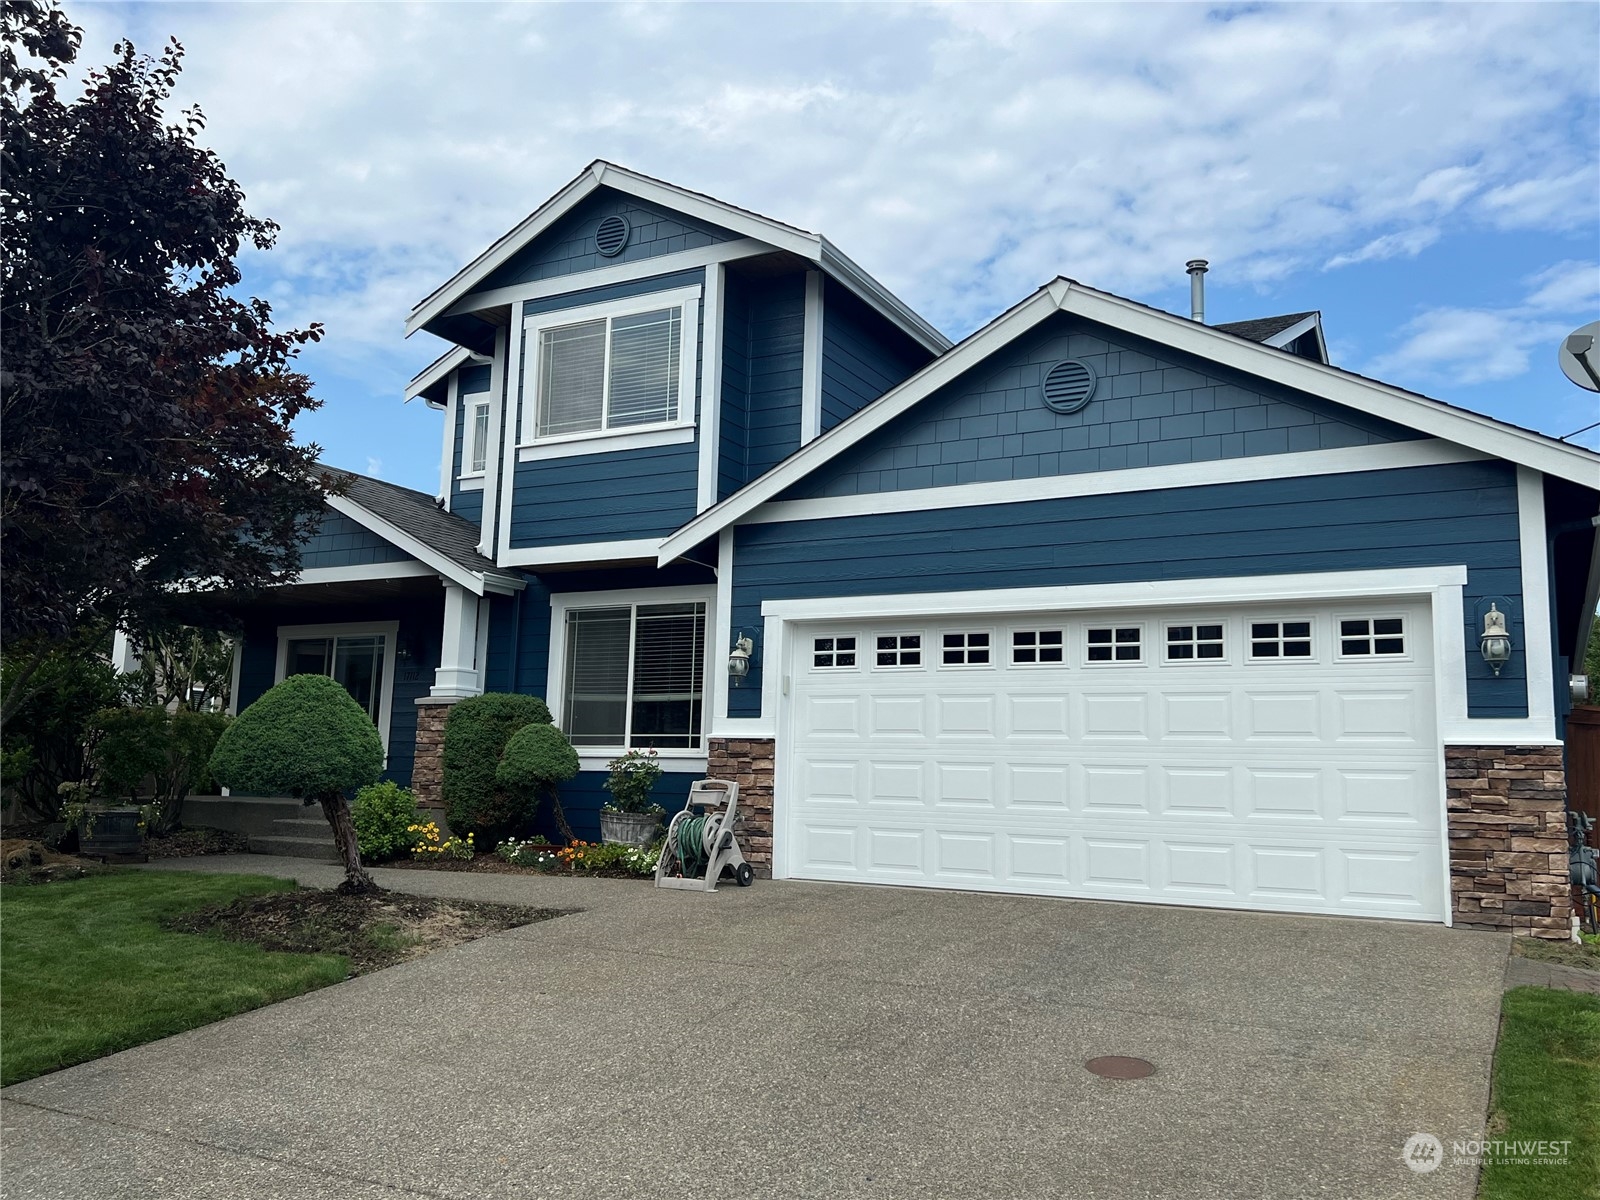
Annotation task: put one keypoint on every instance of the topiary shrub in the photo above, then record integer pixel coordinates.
(306, 737)
(536, 760)
(385, 814)
(475, 736)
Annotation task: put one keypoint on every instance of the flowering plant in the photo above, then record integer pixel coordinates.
(535, 852)
(633, 777)
(429, 844)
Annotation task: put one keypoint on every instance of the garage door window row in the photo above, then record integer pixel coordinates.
(1286, 640)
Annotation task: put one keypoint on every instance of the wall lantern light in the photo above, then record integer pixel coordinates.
(739, 659)
(1495, 642)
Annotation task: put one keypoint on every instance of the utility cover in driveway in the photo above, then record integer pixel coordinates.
(1281, 758)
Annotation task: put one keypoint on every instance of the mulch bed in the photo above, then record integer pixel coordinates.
(373, 931)
(24, 860)
(490, 864)
(187, 843)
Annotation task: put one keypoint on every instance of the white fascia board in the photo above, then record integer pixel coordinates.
(715, 212)
(1327, 585)
(551, 211)
(580, 552)
(969, 353)
(1284, 336)
(420, 551)
(1368, 396)
(451, 360)
(361, 572)
(650, 268)
(1342, 460)
(844, 269)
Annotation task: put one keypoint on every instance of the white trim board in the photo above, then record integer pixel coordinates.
(450, 361)
(447, 458)
(810, 246)
(1344, 460)
(710, 398)
(421, 551)
(1539, 641)
(605, 442)
(811, 361)
(507, 342)
(1266, 362)
(642, 549)
(362, 572)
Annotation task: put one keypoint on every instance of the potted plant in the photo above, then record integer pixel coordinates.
(106, 830)
(629, 817)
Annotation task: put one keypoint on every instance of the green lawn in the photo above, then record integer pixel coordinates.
(1547, 1088)
(86, 969)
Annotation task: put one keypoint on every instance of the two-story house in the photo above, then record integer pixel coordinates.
(1102, 601)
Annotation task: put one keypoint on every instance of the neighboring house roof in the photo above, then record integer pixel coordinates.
(1461, 426)
(1262, 328)
(811, 246)
(415, 523)
(1298, 333)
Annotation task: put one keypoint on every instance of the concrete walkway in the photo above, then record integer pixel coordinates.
(797, 1040)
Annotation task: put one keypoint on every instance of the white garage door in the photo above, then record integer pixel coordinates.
(1255, 757)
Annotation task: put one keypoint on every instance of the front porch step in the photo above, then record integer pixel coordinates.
(295, 847)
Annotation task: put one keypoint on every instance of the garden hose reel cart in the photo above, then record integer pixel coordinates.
(700, 846)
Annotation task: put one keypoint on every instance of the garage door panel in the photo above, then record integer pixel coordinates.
(1305, 786)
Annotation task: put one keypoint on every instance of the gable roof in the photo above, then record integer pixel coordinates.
(1282, 332)
(415, 523)
(1462, 426)
(811, 246)
(1262, 328)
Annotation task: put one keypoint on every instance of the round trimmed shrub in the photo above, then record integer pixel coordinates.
(304, 737)
(475, 736)
(384, 814)
(536, 759)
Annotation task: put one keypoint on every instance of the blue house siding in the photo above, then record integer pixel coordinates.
(567, 247)
(763, 359)
(472, 385)
(341, 542)
(735, 404)
(863, 356)
(1461, 513)
(611, 495)
(582, 796)
(1152, 407)
(420, 624)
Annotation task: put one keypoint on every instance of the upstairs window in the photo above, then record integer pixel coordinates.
(616, 372)
(478, 437)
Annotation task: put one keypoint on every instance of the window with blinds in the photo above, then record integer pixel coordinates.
(635, 676)
(610, 373)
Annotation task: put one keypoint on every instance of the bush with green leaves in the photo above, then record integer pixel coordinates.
(306, 737)
(129, 745)
(46, 733)
(537, 760)
(475, 736)
(384, 815)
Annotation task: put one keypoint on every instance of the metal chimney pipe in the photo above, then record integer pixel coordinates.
(1197, 268)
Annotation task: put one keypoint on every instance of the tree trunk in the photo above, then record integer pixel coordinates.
(356, 879)
(560, 815)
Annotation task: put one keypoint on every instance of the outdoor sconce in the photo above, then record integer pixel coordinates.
(1495, 642)
(739, 659)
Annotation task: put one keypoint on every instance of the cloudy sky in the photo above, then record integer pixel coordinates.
(1428, 177)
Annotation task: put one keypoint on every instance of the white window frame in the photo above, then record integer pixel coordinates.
(471, 402)
(1195, 641)
(834, 637)
(1114, 662)
(533, 328)
(1037, 631)
(1249, 639)
(1372, 616)
(390, 632)
(594, 758)
(921, 650)
(966, 649)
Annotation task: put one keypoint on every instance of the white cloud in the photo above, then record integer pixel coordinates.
(1566, 287)
(375, 467)
(1406, 244)
(962, 153)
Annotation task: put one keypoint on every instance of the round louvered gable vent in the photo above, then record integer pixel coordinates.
(1069, 385)
(612, 236)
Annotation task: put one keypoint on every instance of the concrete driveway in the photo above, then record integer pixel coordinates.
(796, 1040)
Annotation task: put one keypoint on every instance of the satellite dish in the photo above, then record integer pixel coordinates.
(1579, 356)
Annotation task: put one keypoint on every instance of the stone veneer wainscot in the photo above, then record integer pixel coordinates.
(1508, 842)
(749, 762)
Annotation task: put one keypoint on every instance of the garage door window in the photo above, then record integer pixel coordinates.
(833, 653)
(635, 676)
(1036, 647)
(900, 650)
(1280, 639)
(966, 650)
(1192, 643)
(1363, 637)
(1114, 644)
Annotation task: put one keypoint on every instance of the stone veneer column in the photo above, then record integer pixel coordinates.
(427, 773)
(1508, 840)
(749, 763)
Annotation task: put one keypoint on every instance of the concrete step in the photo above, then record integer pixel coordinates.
(294, 847)
(301, 826)
(243, 814)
